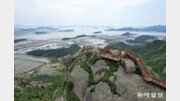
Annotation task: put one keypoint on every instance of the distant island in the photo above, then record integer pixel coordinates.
(19, 40)
(34, 29)
(98, 32)
(67, 30)
(158, 28)
(78, 36)
(41, 32)
(49, 28)
(127, 34)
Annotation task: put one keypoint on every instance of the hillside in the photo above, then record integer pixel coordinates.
(123, 45)
(38, 88)
(89, 77)
(153, 53)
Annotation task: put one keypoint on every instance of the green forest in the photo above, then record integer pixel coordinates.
(153, 53)
(55, 52)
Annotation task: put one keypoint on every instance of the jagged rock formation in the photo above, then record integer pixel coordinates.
(130, 84)
(127, 83)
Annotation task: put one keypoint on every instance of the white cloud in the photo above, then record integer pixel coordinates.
(72, 7)
(86, 2)
(114, 3)
(46, 12)
(73, 11)
(124, 3)
(43, 5)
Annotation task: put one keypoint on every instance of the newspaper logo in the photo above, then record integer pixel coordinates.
(149, 95)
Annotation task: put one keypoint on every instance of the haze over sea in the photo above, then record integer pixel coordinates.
(55, 34)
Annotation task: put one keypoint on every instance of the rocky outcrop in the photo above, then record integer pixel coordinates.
(102, 93)
(115, 52)
(80, 78)
(129, 65)
(99, 69)
(128, 85)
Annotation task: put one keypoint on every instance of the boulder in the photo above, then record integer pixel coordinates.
(80, 79)
(129, 65)
(115, 52)
(128, 85)
(103, 93)
(99, 69)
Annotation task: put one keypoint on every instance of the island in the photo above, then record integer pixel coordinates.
(98, 32)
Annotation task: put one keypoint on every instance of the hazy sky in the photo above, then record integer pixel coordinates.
(90, 12)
